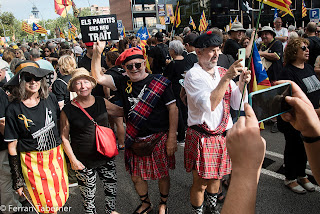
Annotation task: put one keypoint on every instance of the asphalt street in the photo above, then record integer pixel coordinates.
(272, 197)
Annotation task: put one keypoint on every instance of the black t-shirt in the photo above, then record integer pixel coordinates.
(35, 128)
(189, 59)
(231, 47)
(115, 71)
(276, 67)
(85, 62)
(158, 120)
(60, 88)
(173, 73)
(314, 48)
(3, 103)
(159, 54)
(82, 132)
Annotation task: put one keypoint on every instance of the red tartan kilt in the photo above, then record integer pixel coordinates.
(206, 154)
(151, 167)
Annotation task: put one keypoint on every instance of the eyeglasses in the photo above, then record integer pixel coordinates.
(29, 78)
(136, 65)
(304, 48)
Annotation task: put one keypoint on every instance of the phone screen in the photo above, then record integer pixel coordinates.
(271, 102)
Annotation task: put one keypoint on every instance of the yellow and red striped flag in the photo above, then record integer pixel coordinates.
(191, 22)
(72, 28)
(62, 7)
(203, 22)
(61, 33)
(304, 9)
(283, 5)
(177, 17)
(27, 28)
(38, 28)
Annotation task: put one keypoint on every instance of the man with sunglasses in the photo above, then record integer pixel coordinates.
(151, 117)
(211, 93)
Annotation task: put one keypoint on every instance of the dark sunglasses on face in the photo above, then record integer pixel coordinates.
(136, 65)
(304, 48)
(29, 78)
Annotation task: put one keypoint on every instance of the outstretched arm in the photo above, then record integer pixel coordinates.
(101, 78)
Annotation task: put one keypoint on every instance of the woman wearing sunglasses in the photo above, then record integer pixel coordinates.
(31, 132)
(296, 69)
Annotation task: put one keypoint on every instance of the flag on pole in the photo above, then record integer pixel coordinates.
(203, 22)
(283, 5)
(27, 28)
(62, 7)
(236, 19)
(177, 18)
(144, 36)
(191, 22)
(230, 23)
(304, 9)
(75, 10)
(72, 28)
(70, 35)
(123, 32)
(275, 14)
(61, 33)
(38, 28)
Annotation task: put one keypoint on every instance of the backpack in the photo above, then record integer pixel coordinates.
(314, 47)
(164, 55)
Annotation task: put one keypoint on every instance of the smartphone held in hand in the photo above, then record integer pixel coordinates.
(270, 102)
(242, 55)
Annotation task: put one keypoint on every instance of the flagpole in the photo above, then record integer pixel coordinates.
(249, 63)
(69, 31)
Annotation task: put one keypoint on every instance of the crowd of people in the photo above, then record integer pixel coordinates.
(181, 90)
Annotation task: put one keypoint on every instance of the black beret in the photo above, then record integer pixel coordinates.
(206, 40)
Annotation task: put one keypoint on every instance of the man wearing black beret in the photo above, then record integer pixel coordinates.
(210, 93)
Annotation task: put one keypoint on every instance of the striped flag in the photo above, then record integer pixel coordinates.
(230, 22)
(61, 33)
(191, 22)
(123, 32)
(203, 22)
(304, 9)
(62, 7)
(283, 5)
(236, 19)
(177, 17)
(72, 28)
(38, 28)
(27, 28)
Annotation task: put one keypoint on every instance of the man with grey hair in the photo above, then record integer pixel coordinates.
(281, 32)
(186, 31)
(314, 45)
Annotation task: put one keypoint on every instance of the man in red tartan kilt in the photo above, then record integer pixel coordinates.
(151, 116)
(210, 94)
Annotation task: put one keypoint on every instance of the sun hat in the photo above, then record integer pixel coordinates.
(208, 39)
(267, 28)
(237, 26)
(80, 73)
(129, 54)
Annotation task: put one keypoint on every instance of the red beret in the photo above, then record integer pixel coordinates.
(129, 54)
(89, 44)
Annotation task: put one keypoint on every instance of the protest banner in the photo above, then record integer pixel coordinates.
(103, 28)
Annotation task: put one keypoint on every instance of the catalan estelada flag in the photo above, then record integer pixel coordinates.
(177, 17)
(62, 7)
(38, 28)
(191, 22)
(123, 32)
(203, 22)
(61, 33)
(283, 5)
(304, 9)
(230, 22)
(72, 28)
(27, 28)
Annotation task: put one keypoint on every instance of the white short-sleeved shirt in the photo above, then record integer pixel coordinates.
(198, 85)
(280, 33)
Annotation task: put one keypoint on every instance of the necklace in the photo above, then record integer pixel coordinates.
(213, 75)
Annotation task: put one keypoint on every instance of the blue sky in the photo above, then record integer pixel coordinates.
(21, 9)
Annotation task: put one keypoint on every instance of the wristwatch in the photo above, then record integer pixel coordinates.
(309, 139)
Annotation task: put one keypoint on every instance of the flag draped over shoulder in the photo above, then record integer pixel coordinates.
(62, 7)
(177, 18)
(27, 28)
(38, 28)
(191, 22)
(304, 9)
(283, 5)
(203, 22)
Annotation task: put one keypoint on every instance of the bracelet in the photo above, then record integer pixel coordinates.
(309, 139)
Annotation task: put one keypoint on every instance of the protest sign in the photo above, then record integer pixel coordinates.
(103, 28)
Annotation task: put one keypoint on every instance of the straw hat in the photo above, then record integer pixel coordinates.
(80, 73)
(237, 26)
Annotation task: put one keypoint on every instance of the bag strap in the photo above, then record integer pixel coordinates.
(84, 111)
(62, 81)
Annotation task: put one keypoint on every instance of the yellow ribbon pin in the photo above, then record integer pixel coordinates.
(129, 88)
(25, 120)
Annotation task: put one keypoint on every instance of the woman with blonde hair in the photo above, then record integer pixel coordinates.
(66, 65)
(19, 54)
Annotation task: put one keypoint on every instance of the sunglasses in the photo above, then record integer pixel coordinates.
(136, 65)
(29, 78)
(304, 48)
